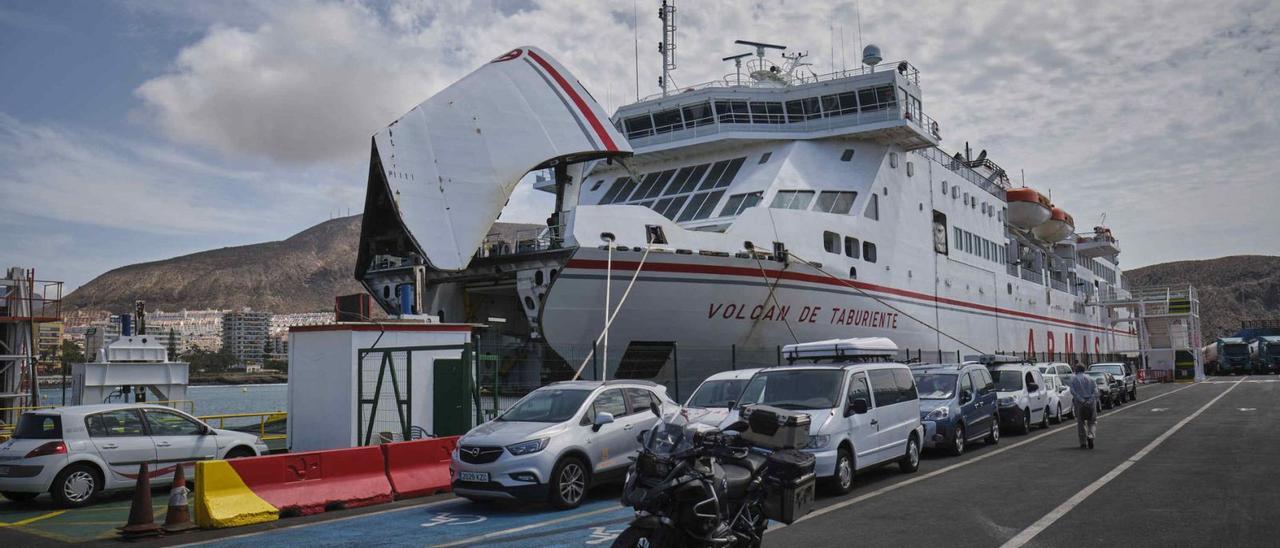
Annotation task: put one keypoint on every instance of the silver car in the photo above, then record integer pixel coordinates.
(557, 442)
(74, 453)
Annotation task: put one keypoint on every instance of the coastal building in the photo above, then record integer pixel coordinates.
(244, 335)
(48, 341)
(194, 328)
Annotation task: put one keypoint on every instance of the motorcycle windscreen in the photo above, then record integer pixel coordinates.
(450, 164)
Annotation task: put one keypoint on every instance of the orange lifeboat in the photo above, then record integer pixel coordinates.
(1059, 226)
(1027, 208)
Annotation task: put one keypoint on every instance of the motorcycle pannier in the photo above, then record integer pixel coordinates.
(789, 485)
(775, 428)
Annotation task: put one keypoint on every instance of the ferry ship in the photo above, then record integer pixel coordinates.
(769, 207)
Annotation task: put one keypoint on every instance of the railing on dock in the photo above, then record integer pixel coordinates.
(270, 425)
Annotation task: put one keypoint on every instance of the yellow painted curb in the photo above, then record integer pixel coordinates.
(223, 500)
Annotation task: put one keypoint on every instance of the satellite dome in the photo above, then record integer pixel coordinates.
(871, 55)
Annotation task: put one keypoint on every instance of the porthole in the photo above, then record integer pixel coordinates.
(893, 160)
(537, 277)
(528, 302)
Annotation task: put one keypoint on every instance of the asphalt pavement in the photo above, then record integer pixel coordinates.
(1184, 465)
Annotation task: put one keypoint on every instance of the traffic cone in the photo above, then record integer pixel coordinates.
(142, 521)
(178, 518)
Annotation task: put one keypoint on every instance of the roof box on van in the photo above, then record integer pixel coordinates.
(995, 359)
(841, 349)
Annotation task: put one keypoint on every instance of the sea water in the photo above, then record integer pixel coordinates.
(212, 399)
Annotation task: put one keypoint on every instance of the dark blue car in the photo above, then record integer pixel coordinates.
(957, 405)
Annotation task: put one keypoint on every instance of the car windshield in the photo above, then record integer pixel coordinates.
(1098, 376)
(1007, 380)
(936, 386)
(1113, 369)
(547, 405)
(795, 389)
(38, 427)
(1235, 349)
(717, 393)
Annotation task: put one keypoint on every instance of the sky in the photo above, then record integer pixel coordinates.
(133, 131)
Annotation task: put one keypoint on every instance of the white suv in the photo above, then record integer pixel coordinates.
(1021, 396)
(74, 453)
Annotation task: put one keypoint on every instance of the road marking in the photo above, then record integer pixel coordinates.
(1060, 428)
(601, 535)
(34, 519)
(1248, 408)
(1054, 515)
(447, 518)
(1159, 409)
(432, 504)
(536, 525)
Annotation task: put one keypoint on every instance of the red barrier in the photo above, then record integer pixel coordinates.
(312, 482)
(417, 468)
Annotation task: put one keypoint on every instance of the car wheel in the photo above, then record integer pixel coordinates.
(240, 453)
(569, 482)
(1044, 418)
(19, 497)
(846, 469)
(957, 448)
(911, 461)
(1025, 427)
(76, 486)
(1057, 415)
(993, 437)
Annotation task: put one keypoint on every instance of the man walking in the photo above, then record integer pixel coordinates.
(1084, 396)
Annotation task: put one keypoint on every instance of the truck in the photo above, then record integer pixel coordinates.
(1233, 356)
(1265, 352)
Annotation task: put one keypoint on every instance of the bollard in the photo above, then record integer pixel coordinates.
(142, 521)
(178, 517)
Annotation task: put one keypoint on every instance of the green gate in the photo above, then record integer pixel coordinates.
(451, 390)
(384, 403)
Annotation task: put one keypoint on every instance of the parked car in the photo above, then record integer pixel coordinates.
(862, 414)
(75, 453)
(1057, 369)
(1108, 388)
(1058, 398)
(957, 405)
(711, 401)
(557, 442)
(1022, 399)
(1124, 374)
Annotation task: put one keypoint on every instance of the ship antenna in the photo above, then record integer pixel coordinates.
(737, 64)
(857, 9)
(635, 29)
(668, 45)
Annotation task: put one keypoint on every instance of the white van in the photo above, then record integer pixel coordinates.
(716, 396)
(861, 414)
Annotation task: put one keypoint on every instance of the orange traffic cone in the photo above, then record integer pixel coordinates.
(142, 521)
(178, 518)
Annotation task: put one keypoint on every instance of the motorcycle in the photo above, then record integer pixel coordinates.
(696, 485)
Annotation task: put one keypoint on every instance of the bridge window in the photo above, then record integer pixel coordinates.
(740, 202)
(733, 112)
(767, 113)
(803, 109)
(698, 115)
(835, 202)
(666, 121)
(831, 242)
(792, 199)
(639, 126)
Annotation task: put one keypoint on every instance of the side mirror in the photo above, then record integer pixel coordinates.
(206, 430)
(859, 406)
(737, 426)
(602, 419)
(732, 404)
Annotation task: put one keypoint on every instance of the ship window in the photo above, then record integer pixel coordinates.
(730, 172)
(853, 273)
(646, 204)
(765, 157)
(698, 115)
(835, 202)
(792, 199)
(386, 292)
(661, 205)
(740, 202)
(639, 126)
(848, 102)
(803, 109)
(831, 242)
(767, 113)
(959, 234)
(596, 186)
(733, 112)
(694, 178)
(830, 105)
(624, 195)
(944, 188)
(851, 247)
(911, 169)
(678, 182)
(674, 207)
(867, 99)
(955, 191)
(893, 160)
(713, 176)
(695, 202)
(666, 121)
(869, 252)
(709, 205)
(847, 155)
(873, 208)
(940, 232)
(661, 183)
(645, 185)
(973, 203)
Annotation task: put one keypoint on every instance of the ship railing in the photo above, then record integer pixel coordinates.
(1059, 285)
(529, 240)
(1032, 276)
(996, 186)
(776, 123)
(909, 71)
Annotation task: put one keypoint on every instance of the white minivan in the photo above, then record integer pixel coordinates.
(861, 414)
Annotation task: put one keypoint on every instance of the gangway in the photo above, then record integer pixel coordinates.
(1168, 324)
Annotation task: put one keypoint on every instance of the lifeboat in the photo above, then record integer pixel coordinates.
(1059, 226)
(1027, 208)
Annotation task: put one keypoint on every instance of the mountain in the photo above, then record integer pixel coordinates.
(1231, 289)
(300, 274)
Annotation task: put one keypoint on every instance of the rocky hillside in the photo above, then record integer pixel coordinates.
(300, 274)
(1231, 289)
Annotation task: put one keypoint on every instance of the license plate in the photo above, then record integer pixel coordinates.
(474, 476)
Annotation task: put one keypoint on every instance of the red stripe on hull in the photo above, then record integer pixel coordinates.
(577, 100)
(596, 264)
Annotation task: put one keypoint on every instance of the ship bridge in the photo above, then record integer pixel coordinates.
(881, 104)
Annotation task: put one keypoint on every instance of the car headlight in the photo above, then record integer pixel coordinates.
(938, 414)
(818, 442)
(527, 447)
(1007, 401)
